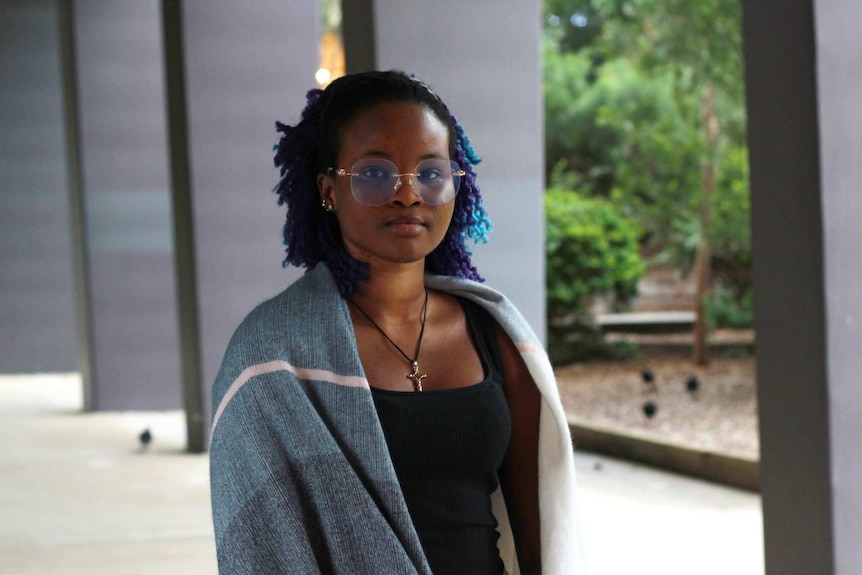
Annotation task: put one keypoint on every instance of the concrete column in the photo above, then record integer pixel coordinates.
(37, 304)
(247, 64)
(129, 247)
(803, 88)
(483, 58)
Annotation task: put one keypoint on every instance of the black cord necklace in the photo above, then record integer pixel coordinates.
(413, 376)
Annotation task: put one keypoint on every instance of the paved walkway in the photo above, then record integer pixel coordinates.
(78, 495)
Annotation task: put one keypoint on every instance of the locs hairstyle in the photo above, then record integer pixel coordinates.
(309, 148)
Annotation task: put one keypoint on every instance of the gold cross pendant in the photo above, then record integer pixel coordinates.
(416, 377)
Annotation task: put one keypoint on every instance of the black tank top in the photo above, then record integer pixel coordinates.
(446, 446)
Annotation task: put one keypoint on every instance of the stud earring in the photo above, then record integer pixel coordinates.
(326, 206)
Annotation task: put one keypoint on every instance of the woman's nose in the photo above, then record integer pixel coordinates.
(406, 195)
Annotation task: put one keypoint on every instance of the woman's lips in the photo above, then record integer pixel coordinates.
(405, 225)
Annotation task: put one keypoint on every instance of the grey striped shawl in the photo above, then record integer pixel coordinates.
(302, 482)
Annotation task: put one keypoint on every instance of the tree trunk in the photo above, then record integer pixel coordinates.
(701, 266)
(704, 250)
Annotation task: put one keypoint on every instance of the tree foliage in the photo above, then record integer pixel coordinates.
(642, 97)
(592, 251)
(701, 41)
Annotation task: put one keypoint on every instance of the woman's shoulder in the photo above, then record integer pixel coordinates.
(272, 311)
(290, 327)
(313, 291)
(465, 288)
(493, 301)
(293, 319)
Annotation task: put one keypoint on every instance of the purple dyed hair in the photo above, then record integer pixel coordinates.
(311, 234)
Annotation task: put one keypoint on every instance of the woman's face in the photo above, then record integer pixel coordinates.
(405, 229)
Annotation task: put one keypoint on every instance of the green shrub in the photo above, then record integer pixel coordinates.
(724, 309)
(592, 251)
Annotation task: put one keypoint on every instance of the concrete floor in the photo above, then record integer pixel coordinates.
(77, 495)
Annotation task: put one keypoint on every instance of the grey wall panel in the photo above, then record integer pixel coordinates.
(484, 60)
(136, 313)
(123, 145)
(787, 244)
(839, 93)
(247, 65)
(37, 318)
(803, 86)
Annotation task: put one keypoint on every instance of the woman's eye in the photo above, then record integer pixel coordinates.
(375, 173)
(430, 175)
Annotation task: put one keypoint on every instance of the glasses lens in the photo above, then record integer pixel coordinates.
(374, 181)
(437, 181)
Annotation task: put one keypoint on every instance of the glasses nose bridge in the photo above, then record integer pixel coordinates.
(411, 179)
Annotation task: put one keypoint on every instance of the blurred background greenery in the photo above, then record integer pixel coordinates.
(646, 160)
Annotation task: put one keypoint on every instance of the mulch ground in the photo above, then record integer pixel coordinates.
(721, 416)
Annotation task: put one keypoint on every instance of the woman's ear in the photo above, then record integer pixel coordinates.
(326, 189)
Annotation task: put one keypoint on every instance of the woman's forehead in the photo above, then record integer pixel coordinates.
(395, 121)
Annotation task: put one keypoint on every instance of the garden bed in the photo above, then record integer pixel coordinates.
(719, 418)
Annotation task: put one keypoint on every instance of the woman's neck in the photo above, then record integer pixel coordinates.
(393, 294)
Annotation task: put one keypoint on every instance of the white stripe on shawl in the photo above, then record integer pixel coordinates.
(278, 365)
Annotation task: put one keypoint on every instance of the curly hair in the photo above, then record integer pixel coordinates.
(309, 148)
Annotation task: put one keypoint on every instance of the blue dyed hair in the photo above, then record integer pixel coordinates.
(309, 148)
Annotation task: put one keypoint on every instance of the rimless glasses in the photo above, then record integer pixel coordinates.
(375, 181)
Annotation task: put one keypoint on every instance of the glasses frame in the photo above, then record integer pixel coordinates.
(460, 173)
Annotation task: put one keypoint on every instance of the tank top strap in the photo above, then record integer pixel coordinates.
(482, 327)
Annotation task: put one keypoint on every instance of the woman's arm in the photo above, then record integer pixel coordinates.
(519, 475)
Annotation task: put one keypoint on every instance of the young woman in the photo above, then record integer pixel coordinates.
(387, 413)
